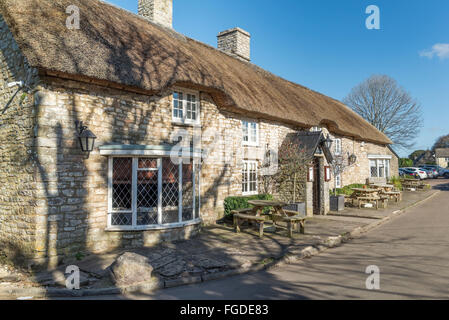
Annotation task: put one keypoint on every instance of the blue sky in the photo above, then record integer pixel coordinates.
(324, 44)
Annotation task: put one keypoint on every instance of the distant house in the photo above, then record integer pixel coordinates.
(142, 88)
(442, 157)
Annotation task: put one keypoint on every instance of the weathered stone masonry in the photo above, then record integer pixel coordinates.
(71, 190)
(17, 187)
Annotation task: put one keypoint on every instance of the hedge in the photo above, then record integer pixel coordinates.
(235, 203)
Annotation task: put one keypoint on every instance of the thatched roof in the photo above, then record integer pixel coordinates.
(116, 46)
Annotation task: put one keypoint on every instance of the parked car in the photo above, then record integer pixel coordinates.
(439, 170)
(445, 173)
(407, 173)
(430, 173)
(421, 173)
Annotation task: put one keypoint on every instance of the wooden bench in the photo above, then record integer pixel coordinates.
(293, 220)
(397, 195)
(384, 199)
(368, 199)
(239, 218)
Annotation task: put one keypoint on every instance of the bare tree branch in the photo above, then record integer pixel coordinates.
(388, 107)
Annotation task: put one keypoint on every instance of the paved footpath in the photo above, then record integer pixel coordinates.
(412, 252)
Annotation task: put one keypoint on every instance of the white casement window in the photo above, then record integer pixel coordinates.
(151, 193)
(316, 129)
(338, 181)
(250, 133)
(337, 146)
(186, 107)
(379, 168)
(249, 177)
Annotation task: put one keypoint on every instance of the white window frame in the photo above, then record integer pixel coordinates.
(337, 146)
(385, 169)
(184, 119)
(248, 163)
(338, 180)
(250, 132)
(196, 216)
(316, 129)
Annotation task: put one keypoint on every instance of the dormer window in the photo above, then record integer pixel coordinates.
(185, 107)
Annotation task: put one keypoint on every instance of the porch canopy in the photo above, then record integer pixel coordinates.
(311, 142)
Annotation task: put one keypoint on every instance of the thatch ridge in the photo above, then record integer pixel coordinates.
(117, 46)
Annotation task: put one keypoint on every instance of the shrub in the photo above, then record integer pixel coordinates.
(235, 203)
(346, 190)
(396, 181)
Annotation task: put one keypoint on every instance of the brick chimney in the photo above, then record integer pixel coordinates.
(235, 42)
(157, 11)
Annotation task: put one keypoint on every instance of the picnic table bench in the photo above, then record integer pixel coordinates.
(277, 214)
(415, 184)
(293, 220)
(369, 195)
(397, 195)
(239, 218)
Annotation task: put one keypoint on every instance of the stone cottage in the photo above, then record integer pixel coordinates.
(179, 126)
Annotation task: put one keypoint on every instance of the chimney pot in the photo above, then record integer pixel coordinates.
(235, 42)
(157, 11)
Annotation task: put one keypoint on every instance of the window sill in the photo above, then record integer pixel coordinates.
(250, 193)
(155, 227)
(186, 123)
(250, 145)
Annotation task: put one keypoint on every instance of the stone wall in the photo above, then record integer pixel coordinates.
(17, 187)
(360, 171)
(72, 189)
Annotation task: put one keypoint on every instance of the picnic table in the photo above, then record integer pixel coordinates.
(388, 191)
(414, 184)
(368, 195)
(384, 186)
(277, 214)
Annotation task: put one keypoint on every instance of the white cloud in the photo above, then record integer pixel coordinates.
(441, 50)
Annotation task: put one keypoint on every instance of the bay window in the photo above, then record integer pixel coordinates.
(151, 192)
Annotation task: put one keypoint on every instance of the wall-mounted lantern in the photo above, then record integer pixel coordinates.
(85, 137)
(352, 159)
